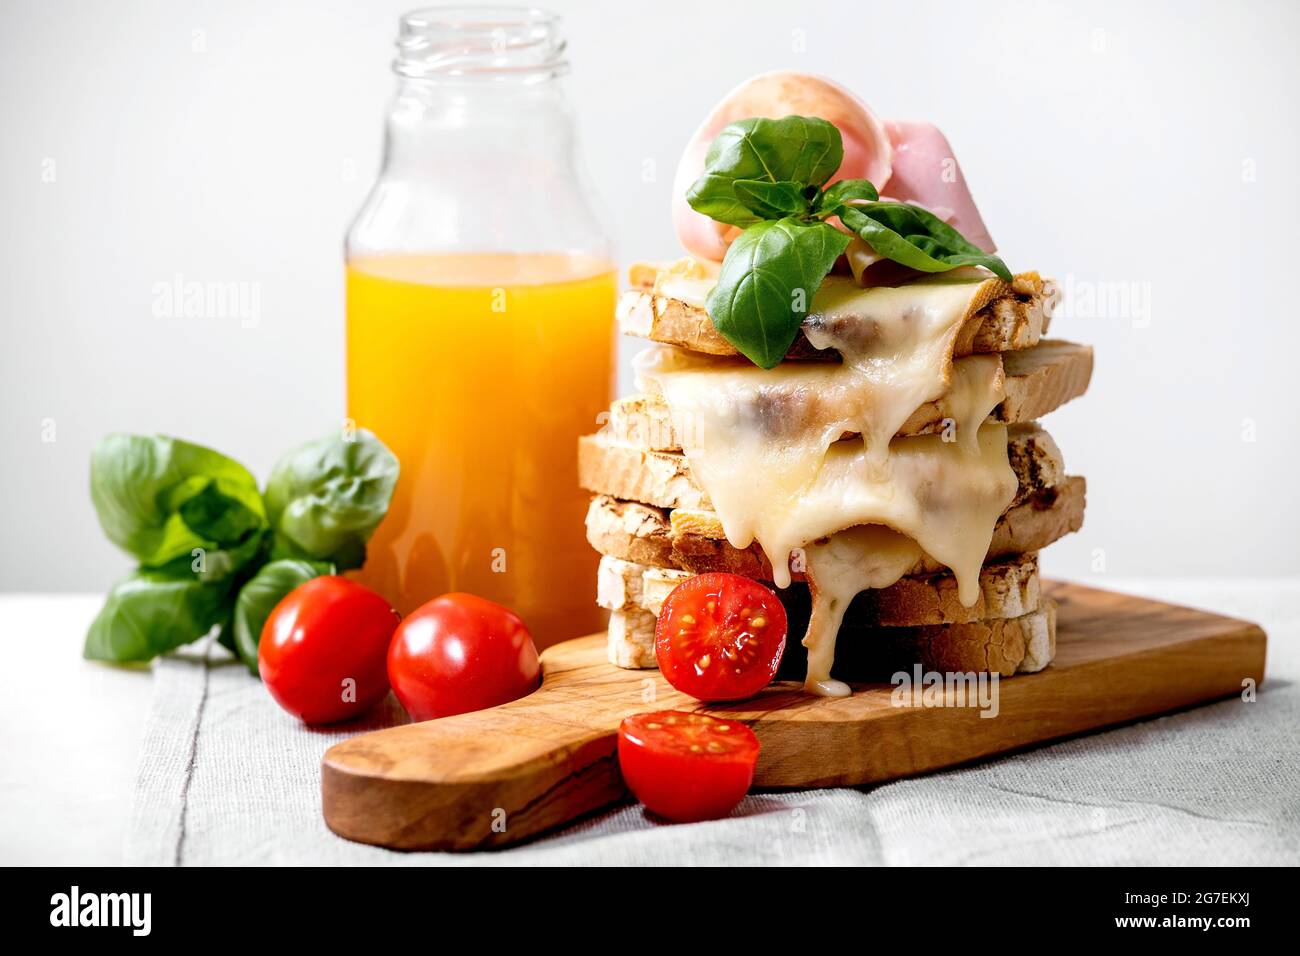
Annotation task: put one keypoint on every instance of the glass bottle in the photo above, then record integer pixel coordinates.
(480, 301)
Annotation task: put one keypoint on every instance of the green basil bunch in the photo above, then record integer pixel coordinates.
(213, 550)
(769, 178)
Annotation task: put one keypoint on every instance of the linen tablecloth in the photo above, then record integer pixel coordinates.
(227, 778)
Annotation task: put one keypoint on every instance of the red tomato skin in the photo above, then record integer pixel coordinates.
(321, 633)
(460, 653)
(738, 600)
(685, 788)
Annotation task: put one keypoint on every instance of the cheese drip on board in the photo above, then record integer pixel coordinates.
(849, 561)
(768, 447)
(940, 500)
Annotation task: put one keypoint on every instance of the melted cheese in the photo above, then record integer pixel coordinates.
(768, 447)
(860, 256)
(850, 561)
(687, 280)
(939, 500)
(689, 289)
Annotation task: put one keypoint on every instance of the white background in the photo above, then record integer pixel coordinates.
(1141, 146)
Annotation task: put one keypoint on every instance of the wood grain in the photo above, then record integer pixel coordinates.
(502, 775)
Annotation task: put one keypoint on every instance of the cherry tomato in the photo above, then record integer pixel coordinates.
(459, 653)
(323, 650)
(685, 766)
(720, 637)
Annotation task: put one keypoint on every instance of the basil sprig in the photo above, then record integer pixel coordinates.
(215, 551)
(769, 178)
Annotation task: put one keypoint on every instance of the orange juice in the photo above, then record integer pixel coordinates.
(480, 371)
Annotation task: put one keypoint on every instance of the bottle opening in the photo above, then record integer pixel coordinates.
(456, 41)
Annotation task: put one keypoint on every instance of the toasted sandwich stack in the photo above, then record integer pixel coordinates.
(709, 425)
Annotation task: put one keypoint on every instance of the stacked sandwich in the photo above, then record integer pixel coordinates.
(888, 476)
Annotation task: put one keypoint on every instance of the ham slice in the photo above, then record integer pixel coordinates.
(926, 172)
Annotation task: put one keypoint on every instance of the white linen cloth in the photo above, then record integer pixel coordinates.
(226, 777)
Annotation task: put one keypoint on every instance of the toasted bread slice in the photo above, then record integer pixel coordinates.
(1005, 646)
(1008, 588)
(629, 584)
(630, 641)
(1002, 316)
(631, 531)
(694, 541)
(1042, 379)
(1038, 380)
(664, 478)
(1018, 635)
(618, 583)
(633, 594)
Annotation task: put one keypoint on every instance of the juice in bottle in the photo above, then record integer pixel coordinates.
(480, 371)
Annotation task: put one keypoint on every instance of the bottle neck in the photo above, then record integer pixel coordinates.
(475, 83)
(480, 149)
(483, 45)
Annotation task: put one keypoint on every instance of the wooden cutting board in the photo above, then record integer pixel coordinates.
(502, 775)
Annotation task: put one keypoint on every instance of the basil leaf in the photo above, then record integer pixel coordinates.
(153, 611)
(217, 516)
(259, 596)
(847, 190)
(160, 499)
(914, 221)
(767, 282)
(772, 200)
(325, 498)
(955, 259)
(916, 238)
(803, 150)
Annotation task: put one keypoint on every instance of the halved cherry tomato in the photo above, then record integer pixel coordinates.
(685, 766)
(459, 653)
(720, 637)
(323, 650)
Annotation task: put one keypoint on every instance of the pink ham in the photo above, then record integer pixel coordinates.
(907, 159)
(926, 172)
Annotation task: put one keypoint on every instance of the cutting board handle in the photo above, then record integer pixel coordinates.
(491, 777)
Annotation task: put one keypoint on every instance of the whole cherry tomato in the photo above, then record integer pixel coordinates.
(323, 650)
(720, 637)
(459, 653)
(686, 766)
